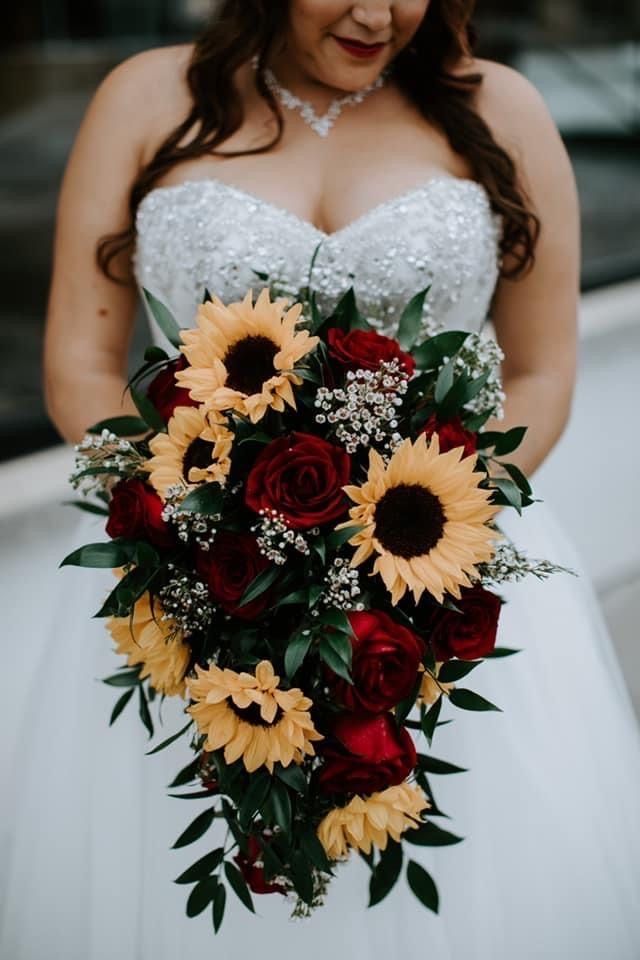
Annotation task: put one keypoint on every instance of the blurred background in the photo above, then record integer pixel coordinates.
(584, 57)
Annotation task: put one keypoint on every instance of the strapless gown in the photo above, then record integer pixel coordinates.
(550, 867)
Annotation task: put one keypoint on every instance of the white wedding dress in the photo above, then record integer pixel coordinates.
(550, 867)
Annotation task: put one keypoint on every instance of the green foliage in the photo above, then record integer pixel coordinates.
(468, 700)
(164, 318)
(385, 873)
(422, 885)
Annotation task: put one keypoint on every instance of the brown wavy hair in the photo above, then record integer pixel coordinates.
(241, 29)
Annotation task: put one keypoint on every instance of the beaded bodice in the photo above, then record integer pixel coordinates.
(207, 234)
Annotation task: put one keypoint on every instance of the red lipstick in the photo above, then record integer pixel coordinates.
(358, 49)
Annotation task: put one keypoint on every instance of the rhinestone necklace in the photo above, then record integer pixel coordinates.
(320, 125)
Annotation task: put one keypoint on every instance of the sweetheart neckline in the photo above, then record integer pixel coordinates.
(284, 212)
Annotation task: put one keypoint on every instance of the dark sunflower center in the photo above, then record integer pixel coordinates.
(409, 520)
(251, 714)
(249, 363)
(199, 454)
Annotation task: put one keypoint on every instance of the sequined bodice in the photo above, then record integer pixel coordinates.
(207, 234)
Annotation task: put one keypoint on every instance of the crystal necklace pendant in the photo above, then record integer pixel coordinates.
(319, 124)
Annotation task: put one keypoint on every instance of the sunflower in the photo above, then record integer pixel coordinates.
(372, 820)
(145, 638)
(242, 355)
(431, 689)
(425, 517)
(195, 450)
(251, 717)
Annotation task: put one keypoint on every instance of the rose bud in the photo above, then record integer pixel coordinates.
(228, 567)
(366, 350)
(451, 433)
(300, 476)
(164, 392)
(386, 659)
(469, 635)
(135, 512)
(369, 752)
(251, 868)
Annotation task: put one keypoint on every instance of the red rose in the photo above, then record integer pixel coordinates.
(451, 433)
(164, 392)
(228, 567)
(371, 753)
(469, 635)
(366, 349)
(300, 476)
(252, 873)
(385, 662)
(135, 512)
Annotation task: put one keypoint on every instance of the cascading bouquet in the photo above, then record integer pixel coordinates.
(303, 535)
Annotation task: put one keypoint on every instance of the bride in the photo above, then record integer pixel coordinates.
(369, 135)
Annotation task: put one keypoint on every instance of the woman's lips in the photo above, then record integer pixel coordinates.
(356, 49)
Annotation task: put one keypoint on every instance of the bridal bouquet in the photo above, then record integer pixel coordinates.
(302, 528)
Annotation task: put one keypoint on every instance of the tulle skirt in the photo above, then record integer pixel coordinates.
(549, 867)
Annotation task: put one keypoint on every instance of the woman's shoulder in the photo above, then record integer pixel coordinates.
(511, 104)
(150, 87)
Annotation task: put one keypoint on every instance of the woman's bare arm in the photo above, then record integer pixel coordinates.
(535, 318)
(90, 318)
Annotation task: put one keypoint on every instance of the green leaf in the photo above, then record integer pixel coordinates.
(337, 619)
(187, 775)
(510, 492)
(164, 318)
(468, 700)
(454, 670)
(121, 426)
(518, 477)
(254, 798)
(87, 507)
(422, 885)
(320, 547)
(238, 885)
(385, 874)
(502, 652)
(302, 876)
(101, 555)
(430, 720)
(295, 653)
(445, 380)
(298, 596)
(293, 776)
(129, 678)
(430, 354)
(194, 795)
(346, 315)
(219, 903)
(433, 765)
(171, 739)
(430, 835)
(155, 354)
(202, 867)
(206, 499)
(314, 850)
(341, 646)
(147, 410)
(333, 660)
(508, 442)
(121, 704)
(259, 585)
(196, 829)
(129, 588)
(337, 538)
(201, 896)
(143, 710)
(411, 320)
(280, 804)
